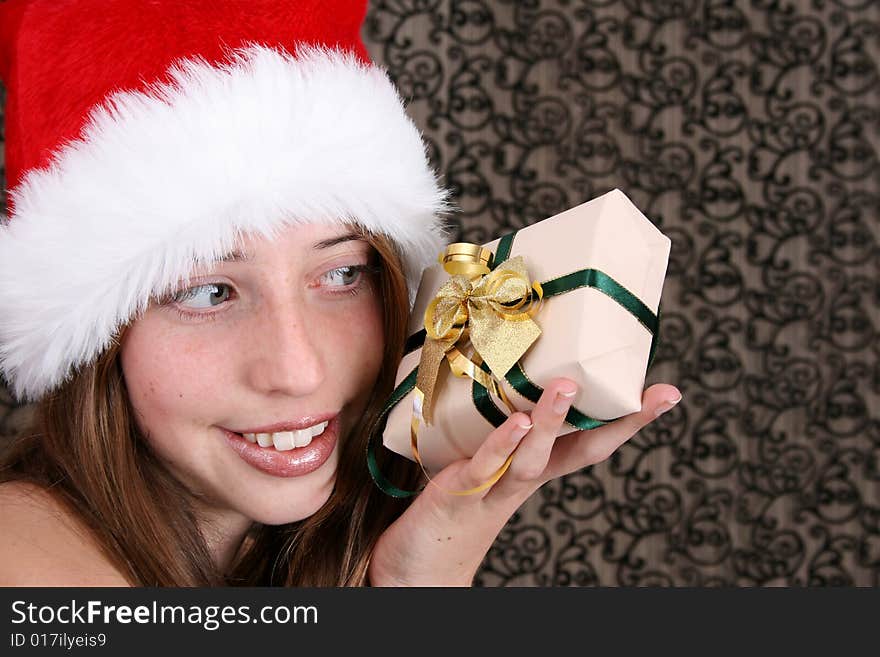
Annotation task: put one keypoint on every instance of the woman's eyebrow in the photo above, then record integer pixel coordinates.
(240, 256)
(235, 256)
(333, 241)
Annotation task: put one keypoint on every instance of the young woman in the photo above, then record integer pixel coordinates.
(204, 286)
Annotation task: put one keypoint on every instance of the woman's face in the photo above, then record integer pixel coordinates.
(284, 336)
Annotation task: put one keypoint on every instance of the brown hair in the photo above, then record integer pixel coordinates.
(85, 448)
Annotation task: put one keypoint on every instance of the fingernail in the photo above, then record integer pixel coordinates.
(563, 401)
(520, 430)
(665, 406)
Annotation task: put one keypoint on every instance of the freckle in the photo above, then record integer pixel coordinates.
(180, 395)
(448, 538)
(439, 539)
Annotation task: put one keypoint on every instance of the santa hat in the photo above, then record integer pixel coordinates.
(143, 138)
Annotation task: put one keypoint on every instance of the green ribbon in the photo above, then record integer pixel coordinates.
(516, 377)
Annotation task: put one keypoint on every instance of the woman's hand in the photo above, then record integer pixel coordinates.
(441, 539)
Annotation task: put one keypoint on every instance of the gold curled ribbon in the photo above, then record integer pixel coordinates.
(488, 310)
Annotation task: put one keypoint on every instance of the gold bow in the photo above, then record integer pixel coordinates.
(493, 309)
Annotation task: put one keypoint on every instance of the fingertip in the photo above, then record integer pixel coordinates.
(662, 392)
(521, 426)
(522, 420)
(667, 404)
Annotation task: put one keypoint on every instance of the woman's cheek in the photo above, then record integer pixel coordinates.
(352, 345)
(371, 341)
(167, 373)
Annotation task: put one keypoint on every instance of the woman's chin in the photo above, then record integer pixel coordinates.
(281, 514)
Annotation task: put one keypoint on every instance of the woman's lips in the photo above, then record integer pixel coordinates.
(291, 463)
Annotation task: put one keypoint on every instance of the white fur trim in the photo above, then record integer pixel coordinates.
(168, 179)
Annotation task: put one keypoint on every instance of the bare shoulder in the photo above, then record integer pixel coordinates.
(43, 544)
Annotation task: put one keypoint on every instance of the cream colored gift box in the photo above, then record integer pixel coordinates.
(585, 335)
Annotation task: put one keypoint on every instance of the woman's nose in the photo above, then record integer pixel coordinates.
(285, 355)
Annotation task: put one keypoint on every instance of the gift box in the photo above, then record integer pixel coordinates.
(600, 267)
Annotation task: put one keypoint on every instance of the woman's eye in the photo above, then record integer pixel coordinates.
(205, 295)
(344, 276)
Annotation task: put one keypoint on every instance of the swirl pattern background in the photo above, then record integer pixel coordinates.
(749, 132)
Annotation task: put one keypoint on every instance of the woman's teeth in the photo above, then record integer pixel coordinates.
(285, 440)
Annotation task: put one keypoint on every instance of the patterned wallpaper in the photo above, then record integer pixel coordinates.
(749, 132)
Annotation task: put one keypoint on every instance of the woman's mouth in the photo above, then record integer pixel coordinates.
(285, 440)
(287, 453)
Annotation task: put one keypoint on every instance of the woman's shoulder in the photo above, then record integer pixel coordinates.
(43, 544)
